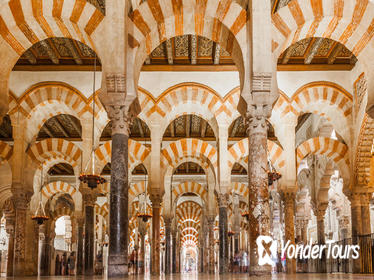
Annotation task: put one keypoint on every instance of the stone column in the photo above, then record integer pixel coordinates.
(89, 233)
(320, 215)
(155, 249)
(223, 237)
(10, 232)
(356, 222)
(365, 213)
(119, 223)
(21, 200)
(289, 199)
(174, 251)
(80, 248)
(210, 220)
(45, 240)
(259, 219)
(167, 222)
(366, 242)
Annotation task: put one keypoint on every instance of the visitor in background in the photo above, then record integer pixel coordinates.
(71, 263)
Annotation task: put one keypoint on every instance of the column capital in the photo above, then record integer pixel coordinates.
(89, 198)
(288, 196)
(20, 198)
(223, 200)
(121, 121)
(156, 200)
(320, 211)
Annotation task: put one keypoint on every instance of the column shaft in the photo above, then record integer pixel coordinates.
(89, 240)
(80, 248)
(167, 247)
(174, 250)
(118, 241)
(156, 236)
(45, 251)
(223, 237)
(289, 199)
(211, 244)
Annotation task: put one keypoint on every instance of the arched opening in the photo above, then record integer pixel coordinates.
(189, 126)
(61, 126)
(63, 230)
(61, 169)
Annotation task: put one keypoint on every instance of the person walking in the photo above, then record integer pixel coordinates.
(71, 263)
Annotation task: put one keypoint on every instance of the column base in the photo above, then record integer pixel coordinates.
(258, 270)
(117, 266)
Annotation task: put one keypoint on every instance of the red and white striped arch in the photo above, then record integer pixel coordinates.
(349, 22)
(332, 149)
(239, 151)
(155, 21)
(190, 147)
(49, 148)
(51, 189)
(137, 154)
(240, 188)
(190, 187)
(102, 210)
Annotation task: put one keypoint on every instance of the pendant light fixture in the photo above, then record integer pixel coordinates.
(273, 174)
(143, 213)
(40, 215)
(92, 179)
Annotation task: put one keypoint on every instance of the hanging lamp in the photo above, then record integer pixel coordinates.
(40, 215)
(144, 215)
(273, 174)
(92, 179)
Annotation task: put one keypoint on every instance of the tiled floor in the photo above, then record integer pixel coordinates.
(299, 276)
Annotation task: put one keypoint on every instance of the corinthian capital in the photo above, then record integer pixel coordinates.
(121, 119)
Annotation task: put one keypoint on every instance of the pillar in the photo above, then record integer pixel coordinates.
(10, 231)
(321, 234)
(21, 200)
(366, 242)
(89, 234)
(118, 223)
(46, 238)
(210, 220)
(223, 237)
(259, 219)
(80, 248)
(155, 249)
(356, 223)
(289, 199)
(167, 222)
(304, 231)
(174, 251)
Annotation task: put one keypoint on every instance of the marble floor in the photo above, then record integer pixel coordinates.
(192, 276)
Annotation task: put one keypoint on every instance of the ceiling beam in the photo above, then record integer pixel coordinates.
(216, 54)
(52, 55)
(60, 127)
(61, 166)
(188, 125)
(193, 49)
(30, 57)
(169, 51)
(74, 125)
(203, 126)
(139, 124)
(235, 128)
(315, 67)
(187, 164)
(73, 50)
(336, 50)
(47, 130)
(172, 134)
(313, 50)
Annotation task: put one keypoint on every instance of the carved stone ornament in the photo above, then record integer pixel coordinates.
(116, 83)
(120, 119)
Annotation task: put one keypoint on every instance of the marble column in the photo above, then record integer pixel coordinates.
(167, 222)
(320, 215)
(304, 231)
(211, 220)
(289, 199)
(80, 248)
(366, 242)
(89, 234)
(259, 208)
(356, 223)
(223, 234)
(174, 251)
(119, 222)
(10, 231)
(45, 240)
(155, 249)
(21, 200)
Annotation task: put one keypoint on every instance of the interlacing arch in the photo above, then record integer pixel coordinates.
(136, 189)
(189, 215)
(102, 210)
(190, 98)
(190, 147)
(137, 154)
(190, 187)
(331, 148)
(48, 99)
(300, 19)
(326, 99)
(153, 22)
(52, 147)
(53, 188)
(239, 151)
(240, 188)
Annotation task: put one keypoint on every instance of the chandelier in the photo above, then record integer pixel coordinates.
(273, 174)
(245, 215)
(92, 179)
(40, 215)
(143, 213)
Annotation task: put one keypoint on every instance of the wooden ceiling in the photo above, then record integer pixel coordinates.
(61, 169)
(189, 168)
(61, 126)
